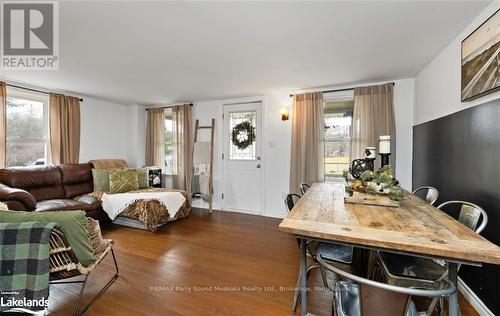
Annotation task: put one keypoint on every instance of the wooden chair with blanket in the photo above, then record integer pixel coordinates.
(65, 265)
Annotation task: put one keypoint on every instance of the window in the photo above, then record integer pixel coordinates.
(27, 129)
(169, 149)
(338, 121)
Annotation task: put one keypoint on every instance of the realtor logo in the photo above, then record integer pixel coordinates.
(30, 37)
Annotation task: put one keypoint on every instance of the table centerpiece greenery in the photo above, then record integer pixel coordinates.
(380, 182)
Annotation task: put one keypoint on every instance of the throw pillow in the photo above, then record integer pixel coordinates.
(101, 180)
(123, 181)
(143, 175)
(73, 226)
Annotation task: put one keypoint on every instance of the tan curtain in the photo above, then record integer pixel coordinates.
(155, 138)
(64, 123)
(3, 124)
(373, 116)
(182, 142)
(307, 152)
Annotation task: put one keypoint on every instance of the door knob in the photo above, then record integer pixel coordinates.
(258, 165)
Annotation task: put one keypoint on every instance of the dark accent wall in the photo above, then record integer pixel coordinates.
(459, 154)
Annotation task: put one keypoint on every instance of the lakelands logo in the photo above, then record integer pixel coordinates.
(30, 35)
(24, 305)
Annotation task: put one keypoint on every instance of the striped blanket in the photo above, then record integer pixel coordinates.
(24, 266)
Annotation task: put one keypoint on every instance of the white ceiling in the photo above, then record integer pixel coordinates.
(162, 52)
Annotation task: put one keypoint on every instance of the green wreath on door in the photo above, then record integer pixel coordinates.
(243, 135)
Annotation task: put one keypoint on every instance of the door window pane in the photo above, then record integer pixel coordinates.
(248, 153)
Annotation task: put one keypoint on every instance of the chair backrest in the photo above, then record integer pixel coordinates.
(63, 261)
(356, 284)
(470, 214)
(290, 201)
(431, 195)
(304, 187)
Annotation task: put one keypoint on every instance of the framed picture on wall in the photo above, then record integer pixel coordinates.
(481, 60)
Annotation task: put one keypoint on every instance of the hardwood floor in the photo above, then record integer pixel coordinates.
(219, 264)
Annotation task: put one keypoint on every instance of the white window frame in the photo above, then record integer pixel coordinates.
(38, 97)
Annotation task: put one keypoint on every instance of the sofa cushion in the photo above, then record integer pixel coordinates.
(100, 180)
(73, 190)
(30, 177)
(123, 181)
(48, 193)
(63, 205)
(76, 179)
(90, 200)
(143, 177)
(43, 182)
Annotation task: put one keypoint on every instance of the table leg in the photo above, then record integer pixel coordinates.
(303, 281)
(453, 299)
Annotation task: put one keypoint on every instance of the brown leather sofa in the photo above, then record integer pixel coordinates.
(50, 188)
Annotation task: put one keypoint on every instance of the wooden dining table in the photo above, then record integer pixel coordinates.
(415, 228)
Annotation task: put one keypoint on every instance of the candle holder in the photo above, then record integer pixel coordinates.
(370, 158)
(384, 159)
(370, 163)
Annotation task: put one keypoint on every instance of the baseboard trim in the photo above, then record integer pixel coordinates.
(239, 211)
(215, 207)
(274, 215)
(473, 299)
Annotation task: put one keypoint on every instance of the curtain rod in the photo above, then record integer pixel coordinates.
(338, 90)
(34, 90)
(166, 107)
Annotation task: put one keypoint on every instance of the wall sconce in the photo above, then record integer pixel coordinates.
(284, 114)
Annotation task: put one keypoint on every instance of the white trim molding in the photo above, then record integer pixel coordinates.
(473, 299)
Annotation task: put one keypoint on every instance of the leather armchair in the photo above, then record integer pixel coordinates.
(17, 199)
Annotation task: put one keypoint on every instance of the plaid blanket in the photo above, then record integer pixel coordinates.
(24, 265)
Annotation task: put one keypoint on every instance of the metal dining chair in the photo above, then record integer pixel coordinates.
(348, 299)
(304, 187)
(404, 270)
(290, 200)
(431, 193)
(338, 254)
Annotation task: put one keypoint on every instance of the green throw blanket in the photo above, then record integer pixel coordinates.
(24, 265)
(72, 224)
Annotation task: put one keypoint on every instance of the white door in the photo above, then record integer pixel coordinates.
(242, 167)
